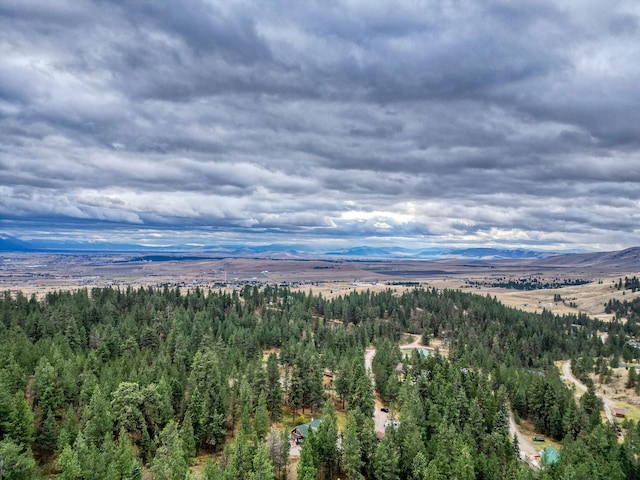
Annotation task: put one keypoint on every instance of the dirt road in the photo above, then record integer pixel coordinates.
(415, 344)
(566, 371)
(417, 339)
(379, 417)
(608, 404)
(526, 447)
(524, 441)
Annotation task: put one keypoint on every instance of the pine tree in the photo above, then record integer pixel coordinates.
(48, 436)
(632, 378)
(327, 438)
(212, 390)
(367, 440)
(81, 450)
(462, 463)
(307, 467)
(241, 458)
(262, 468)
(351, 449)
(245, 422)
(432, 472)
(20, 427)
(361, 396)
(188, 438)
(169, 462)
(196, 413)
(97, 417)
(419, 466)
(126, 404)
(127, 464)
(501, 418)
(408, 435)
(313, 384)
(387, 457)
(274, 397)
(296, 390)
(515, 445)
(97, 463)
(212, 471)
(590, 401)
(574, 420)
(16, 461)
(342, 381)
(68, 464)
(261, 419)
(68, 429)
(46, 381)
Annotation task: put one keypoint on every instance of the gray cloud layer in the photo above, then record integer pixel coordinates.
(427, 122)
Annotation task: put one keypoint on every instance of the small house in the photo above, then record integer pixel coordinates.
(620, 412)
(550, 455)
(301, 431)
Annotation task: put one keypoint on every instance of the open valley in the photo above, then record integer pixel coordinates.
(38, 273)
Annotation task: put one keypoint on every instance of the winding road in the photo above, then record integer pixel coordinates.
(608, 404)
(380, 418)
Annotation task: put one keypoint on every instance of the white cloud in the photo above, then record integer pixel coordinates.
(349, 121)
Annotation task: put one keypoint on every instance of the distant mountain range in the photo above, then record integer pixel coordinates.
(623, 258)
(12, 244)
(436, 253)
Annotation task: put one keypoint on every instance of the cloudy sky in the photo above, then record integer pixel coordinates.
(338, 122)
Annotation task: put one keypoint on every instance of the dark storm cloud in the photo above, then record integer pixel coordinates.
(426, 122)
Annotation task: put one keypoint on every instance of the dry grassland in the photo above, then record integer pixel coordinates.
(42, 273)
(616, 391)
(589, 298)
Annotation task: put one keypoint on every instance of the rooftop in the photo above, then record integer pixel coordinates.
(304, 428)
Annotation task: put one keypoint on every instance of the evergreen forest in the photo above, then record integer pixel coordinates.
(110, 384)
